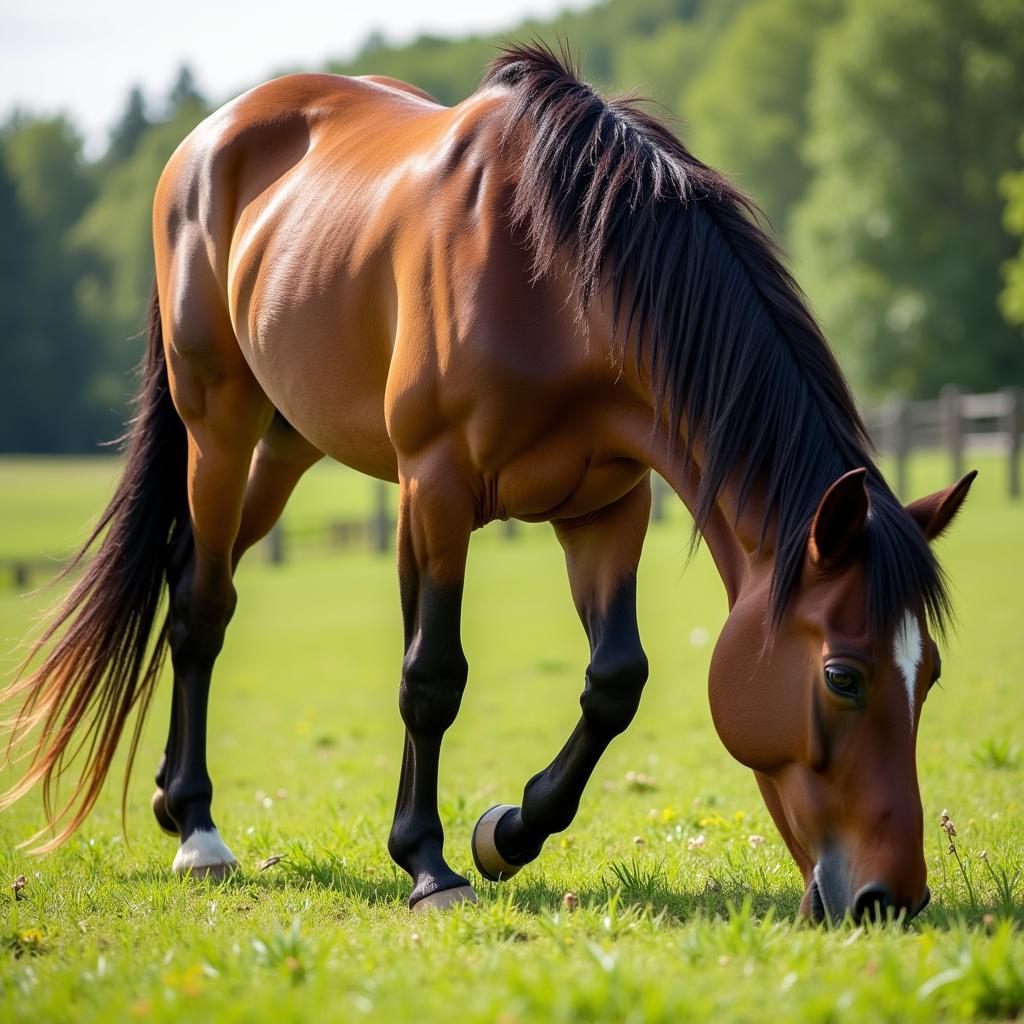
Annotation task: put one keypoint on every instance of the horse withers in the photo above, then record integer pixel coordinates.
(515, 307)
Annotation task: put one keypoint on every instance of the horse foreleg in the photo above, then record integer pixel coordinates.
(433, 538)
(602, 554)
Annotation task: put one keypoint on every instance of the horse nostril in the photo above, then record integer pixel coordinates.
(872, 902)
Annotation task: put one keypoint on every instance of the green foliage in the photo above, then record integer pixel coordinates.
(49, 353)
(16, 312)
(1012, 299)
(749, 105)
(998, 754)
(915, 112)
(114, 241)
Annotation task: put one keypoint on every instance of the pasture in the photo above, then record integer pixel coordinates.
(681, 911)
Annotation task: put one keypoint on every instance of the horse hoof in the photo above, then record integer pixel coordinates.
(214, 872)
(489, 862)
(204, 855)
(445, 898)
(163, 819)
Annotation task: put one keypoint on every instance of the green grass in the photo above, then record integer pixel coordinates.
(305, 743)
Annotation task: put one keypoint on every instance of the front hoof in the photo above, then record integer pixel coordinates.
(489, 862)
(445, 898)
(204, 855)
(163, 819)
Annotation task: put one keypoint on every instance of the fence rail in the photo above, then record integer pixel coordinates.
(955, 422)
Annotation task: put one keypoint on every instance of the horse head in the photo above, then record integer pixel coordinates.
(825, 709)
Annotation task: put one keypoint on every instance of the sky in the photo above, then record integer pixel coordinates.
(82, 57)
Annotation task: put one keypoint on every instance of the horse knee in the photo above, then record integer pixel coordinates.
(615, 683)
(431, 691)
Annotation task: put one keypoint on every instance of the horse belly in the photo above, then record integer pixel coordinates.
(319, 342)
(325, 385)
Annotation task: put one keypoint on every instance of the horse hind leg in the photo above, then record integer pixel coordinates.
(225, 414)
(280, 459)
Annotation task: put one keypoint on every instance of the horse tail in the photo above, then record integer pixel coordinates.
(102, 664)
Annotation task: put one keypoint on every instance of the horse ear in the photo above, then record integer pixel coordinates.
(838, 525)
(935, 512)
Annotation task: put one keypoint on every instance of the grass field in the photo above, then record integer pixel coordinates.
(305, 748)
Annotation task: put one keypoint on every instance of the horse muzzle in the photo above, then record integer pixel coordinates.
(830, 897)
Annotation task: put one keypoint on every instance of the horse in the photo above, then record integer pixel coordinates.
(519, 306)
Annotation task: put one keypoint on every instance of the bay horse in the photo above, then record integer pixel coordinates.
(515, 307)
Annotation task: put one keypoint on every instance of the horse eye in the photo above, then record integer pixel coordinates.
(844, 681)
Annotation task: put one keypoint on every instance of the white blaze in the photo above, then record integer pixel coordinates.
(906, 652)
(202, 849)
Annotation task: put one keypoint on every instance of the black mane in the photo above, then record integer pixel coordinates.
(705, 306)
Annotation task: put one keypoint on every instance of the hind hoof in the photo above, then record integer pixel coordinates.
(489, 862)
(445, 898)
(204, 855)
(163, 819)
(214, 872)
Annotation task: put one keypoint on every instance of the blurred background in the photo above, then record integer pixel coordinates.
(884, 139)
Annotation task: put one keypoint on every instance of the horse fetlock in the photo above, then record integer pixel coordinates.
(163, 817)
(412, 843)
(187, 802)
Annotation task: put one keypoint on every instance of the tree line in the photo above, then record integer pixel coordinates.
(883, 138)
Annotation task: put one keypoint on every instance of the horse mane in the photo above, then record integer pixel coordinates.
(703, 303)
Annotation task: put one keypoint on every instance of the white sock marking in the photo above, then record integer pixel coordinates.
(906, 652)
(202, 849)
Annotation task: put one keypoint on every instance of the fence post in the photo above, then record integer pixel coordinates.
(953, 427)
(899, 440)
(380, 524)
(1013, 424)
(275, 545)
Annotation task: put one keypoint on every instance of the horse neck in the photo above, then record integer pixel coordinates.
(734, 540)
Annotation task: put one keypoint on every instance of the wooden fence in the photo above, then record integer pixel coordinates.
(955, 422)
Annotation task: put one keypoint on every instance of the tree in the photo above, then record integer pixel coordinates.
(916, 109)
(125, 135)
(19, 364)
(184, 92)
(1011, 301)
(50, 350)
(113, 238)
(748, 107)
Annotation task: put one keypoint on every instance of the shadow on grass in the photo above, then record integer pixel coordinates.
(632, 888)
(538, 895)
